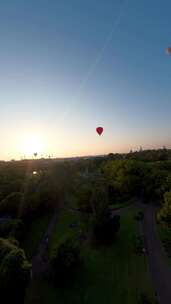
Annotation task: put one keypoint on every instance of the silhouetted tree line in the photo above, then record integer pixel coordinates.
(24, 195)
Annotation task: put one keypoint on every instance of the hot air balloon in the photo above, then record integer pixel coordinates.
(168, 50)
(99, 130)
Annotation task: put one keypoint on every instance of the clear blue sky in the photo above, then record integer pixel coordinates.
(68, 66)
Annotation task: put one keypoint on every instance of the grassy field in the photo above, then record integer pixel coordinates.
(165, 236)
(71, 201)
(123, 204)
(109, 275)
(34, 235)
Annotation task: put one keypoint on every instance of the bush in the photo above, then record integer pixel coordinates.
(5, 247)
(65, 259)
(11, 228)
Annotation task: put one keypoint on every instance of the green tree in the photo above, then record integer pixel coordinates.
(164, 215)
(14, 272)
(11, 204)
(5, 247)
(14, 275)
(12, 228)
(92, 195)
(124, 176)
(65, 259)
(40, 195)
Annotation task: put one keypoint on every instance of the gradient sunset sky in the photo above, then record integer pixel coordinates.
(68, 66)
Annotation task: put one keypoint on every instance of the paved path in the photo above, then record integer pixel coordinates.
(158, 266)
(40, 262)
(157, 259)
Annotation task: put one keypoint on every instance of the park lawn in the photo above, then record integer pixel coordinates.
(108, 275)
(123, 204)
(34, 234)
(71, 201)
(165, 236)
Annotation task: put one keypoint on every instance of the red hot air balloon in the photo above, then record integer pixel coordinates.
(168, 50)
(99, 130)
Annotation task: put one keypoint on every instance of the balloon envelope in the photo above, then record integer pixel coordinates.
(99, 130)
(168, 50)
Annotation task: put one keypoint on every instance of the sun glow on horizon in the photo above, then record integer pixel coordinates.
(32, 145)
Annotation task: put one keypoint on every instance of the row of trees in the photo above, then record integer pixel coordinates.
(144, 155)
(33, 194)
(95, 183)
(24, 195)
(122, 179)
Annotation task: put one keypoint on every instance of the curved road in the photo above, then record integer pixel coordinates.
(157, 259)
(158, 265)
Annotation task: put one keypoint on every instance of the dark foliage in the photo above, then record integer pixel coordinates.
(14, 272)
(66, 260)
(11, 228)
(145, 299)
(11, 204)
(106, 227)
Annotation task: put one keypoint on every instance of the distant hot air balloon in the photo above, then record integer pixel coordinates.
(99, 130)
(168, 50)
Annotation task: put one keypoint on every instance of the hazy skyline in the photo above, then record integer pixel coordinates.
(67, 67)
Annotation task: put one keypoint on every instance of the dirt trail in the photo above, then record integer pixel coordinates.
(40, 264)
